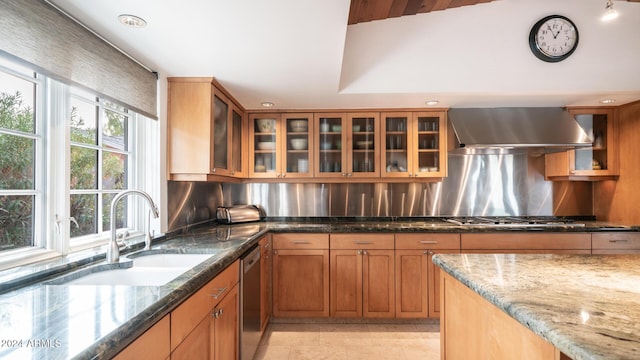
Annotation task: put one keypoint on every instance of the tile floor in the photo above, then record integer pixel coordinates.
(350, 342)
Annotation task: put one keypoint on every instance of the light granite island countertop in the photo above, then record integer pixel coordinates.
(586, 306)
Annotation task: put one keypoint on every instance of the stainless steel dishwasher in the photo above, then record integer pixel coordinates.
(250, 304)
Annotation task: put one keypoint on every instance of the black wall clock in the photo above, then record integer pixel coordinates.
(553, 38)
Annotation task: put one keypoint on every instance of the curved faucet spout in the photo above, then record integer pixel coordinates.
(113, 252)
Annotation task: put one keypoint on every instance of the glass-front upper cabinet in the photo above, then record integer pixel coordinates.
(429, 144)
(363, 145)
(202, 122)
(281, 145)
(598, 162)
(414, 144)
(264, 140)
(330, 129)
(297, 150)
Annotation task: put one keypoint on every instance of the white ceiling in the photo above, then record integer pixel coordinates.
(301, 53)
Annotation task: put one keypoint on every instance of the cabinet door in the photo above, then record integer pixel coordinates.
(396, 157)
(298, 148)
(220, 135)
(226, 327)
(434, 282)
(197, 345)
(412, 270)
(378, 284)
(264, 141)
(346, 283)
(363, 145)
(428, 131)
(331, 159)
(153, 344)
(238, 146)
(301, 283)
(265, 281)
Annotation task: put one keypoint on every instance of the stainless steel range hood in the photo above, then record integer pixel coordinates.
(504, 130)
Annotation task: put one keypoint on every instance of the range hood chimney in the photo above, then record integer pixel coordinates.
(503, 130)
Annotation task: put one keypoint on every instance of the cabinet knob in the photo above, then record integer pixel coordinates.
(349, 175)
(284, 174)
(213, 170)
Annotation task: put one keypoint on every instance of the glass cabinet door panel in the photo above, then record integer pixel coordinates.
(299, 145)
(364, 147)
(220, 141)
(428, 131)
(595, 157)
(329, 140)
(395, 147)
(264, 145)
(237, 149)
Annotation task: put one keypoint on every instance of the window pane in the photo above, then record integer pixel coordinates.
(83, 210)
(84, 122)
(106, 212)
(114, 134)
(84, 168)
(113, 171)
(16, 103)
(16, 162)
(16, 221)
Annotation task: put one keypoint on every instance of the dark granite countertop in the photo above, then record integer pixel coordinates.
(42, 320)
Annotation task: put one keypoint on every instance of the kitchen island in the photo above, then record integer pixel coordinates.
(564, 306)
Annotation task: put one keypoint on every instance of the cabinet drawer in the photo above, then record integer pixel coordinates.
(301, 241)
(427, 241)
(616, 241)
(362, 241)
(189, 314)
(525, 241)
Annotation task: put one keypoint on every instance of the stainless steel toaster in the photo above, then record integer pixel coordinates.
(239, 214)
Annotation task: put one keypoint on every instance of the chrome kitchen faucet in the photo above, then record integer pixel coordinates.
(113, 251)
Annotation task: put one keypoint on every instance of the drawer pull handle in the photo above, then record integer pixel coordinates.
(428, 242)
(620, 240)
(363, 242)
(300, 242)
(220, 292)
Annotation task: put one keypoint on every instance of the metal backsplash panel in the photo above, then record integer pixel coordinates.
(489, 185)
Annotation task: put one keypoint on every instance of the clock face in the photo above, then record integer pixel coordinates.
(553, 38)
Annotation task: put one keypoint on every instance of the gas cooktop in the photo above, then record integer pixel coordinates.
(513, 221)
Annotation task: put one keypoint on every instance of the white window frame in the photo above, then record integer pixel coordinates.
(52, 182)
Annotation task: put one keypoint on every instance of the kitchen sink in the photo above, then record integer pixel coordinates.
(168, 260)
(134, 276)
(144, 268)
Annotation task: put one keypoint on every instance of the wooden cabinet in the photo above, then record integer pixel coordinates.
(471, 325)
(347, 145)
(204, 130)
(153, 344)
(598, 162)
(281, 145)
(526, 242)
(265, 281)
(414, 144)
(362, 275)
(615, 243)
(300, 275)
(417, 278)
(206, 325)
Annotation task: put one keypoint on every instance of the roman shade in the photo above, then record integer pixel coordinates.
(35, 32)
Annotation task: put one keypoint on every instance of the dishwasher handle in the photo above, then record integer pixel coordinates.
(250, 260)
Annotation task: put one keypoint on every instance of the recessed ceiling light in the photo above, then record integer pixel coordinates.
(267, 104)
(607, 101)
(432, 102)
(132, 21)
